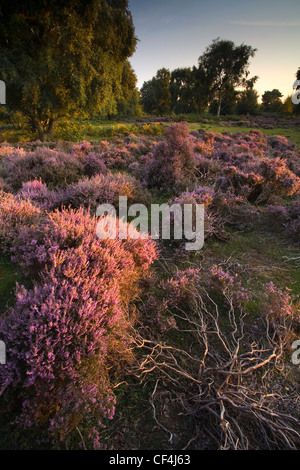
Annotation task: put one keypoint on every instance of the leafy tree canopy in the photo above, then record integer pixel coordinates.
(225, 65)
(60, 58)
(271, 101)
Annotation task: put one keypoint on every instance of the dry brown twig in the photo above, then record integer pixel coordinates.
(226, 381)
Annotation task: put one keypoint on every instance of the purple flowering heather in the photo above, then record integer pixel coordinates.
(62, 335)
(56, 169)
(173, 165)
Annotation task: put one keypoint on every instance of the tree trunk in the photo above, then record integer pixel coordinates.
(219, 104)
(51, 126)
(37, 125)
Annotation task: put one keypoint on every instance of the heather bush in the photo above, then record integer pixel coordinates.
(184, 289)
(207, 169)
(213, 223)
(102, 189)
(38, 194)
(279, 304)
(172, 166)
(278, 179)
(64, 335)
(56, 169)
(118, 158)
(93, 164)
(81, 148)
(271, 177)
(15, 214)
(248, 185)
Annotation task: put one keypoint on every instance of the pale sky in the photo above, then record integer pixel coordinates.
(174, 33)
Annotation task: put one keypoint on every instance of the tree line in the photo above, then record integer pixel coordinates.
(70, 58)
(67, 58)
(219, 84)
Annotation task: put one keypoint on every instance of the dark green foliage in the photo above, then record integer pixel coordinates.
(156, 96)
(248, 99)
(129, 104)
(271, 101)
(222, 68)
(62, 58)
(225, 65)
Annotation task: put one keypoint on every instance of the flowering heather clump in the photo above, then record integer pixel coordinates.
(56, 169)
(200, 195)
(93, 164)
(207, 168)
(182, 288)
(5, 149)
(15, 214)
(187, 286)
(213, 224)
(221, 282)
(248, 185)
(270, 177)
(279, 304)
(102, 189)
(38, 194)
(205, 146)
(278, 179)
(81, 148)
(173, 164)
(64, 334)
(280, 143)
(118, 158)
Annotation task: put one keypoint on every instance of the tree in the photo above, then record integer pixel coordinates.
(229, 100)
(59, 58)
(288, 106)
(149, 96)
(225, 66)
(129, 104)
(156, 96)
(181, 89)
(271, 101)
(248, 99)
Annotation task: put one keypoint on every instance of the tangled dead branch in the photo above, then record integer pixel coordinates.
(229, 381)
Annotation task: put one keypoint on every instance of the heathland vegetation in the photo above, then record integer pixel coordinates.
(137, 343)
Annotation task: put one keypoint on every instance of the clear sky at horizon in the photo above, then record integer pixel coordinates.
(174, 33)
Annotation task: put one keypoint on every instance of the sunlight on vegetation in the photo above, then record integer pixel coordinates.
(129, 342)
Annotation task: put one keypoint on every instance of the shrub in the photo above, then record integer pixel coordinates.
(279, 304)
(38, 194)
(172, 166)
(278, 178)
(102, 189)
(14, 214)
(64, 335)
(118, 158)
(185, 288)
(56, 169)
(93, 164)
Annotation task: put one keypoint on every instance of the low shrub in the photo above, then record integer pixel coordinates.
(64, 336)
(56, 169)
